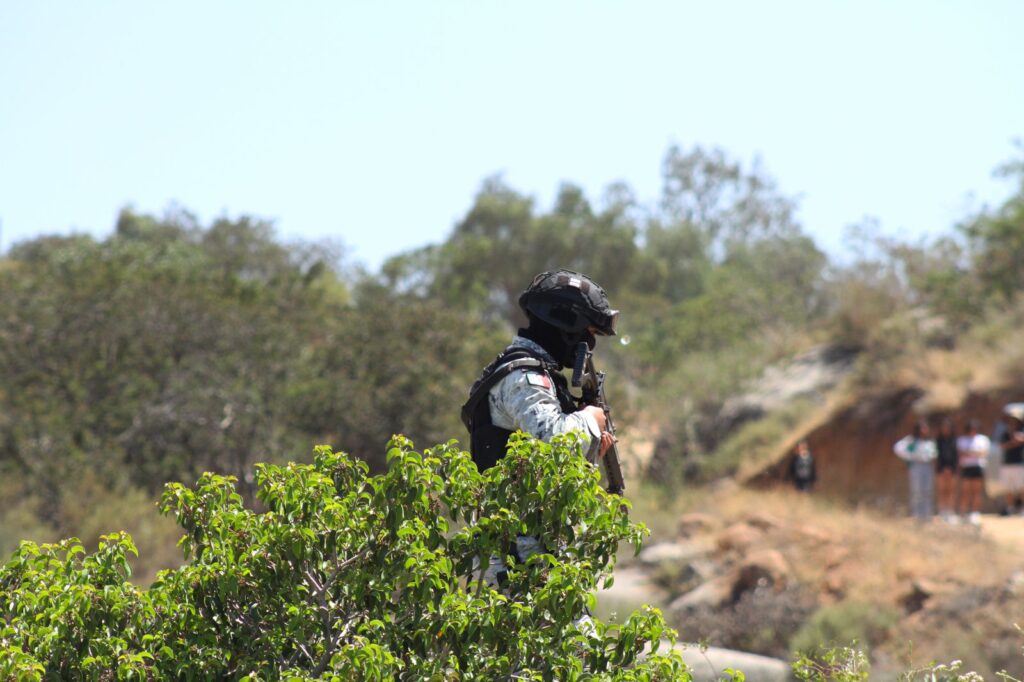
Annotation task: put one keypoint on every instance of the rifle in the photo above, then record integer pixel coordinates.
(591, 382)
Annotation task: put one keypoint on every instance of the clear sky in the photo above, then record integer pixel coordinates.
(374, 122)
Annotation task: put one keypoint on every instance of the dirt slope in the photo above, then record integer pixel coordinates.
(853, 444)
(752, 568)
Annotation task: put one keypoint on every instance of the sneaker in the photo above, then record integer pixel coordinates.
(974, 518)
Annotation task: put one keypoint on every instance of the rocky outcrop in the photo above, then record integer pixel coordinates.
(809, 375)
(706, 664)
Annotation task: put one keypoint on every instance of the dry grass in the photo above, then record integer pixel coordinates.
(849, 553)
(873, 556)
(861, 556)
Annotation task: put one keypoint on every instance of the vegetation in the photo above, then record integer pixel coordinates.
(172, 350)
(168, 350)
(842, 623)
(348, 576)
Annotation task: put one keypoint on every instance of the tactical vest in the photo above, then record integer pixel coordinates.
(487, 442)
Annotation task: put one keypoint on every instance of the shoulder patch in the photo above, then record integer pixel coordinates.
(538, 379)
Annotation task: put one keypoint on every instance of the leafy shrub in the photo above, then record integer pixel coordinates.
(849, 664)
(347, 576)
(761, 621)
(846, 664)
(843, 623)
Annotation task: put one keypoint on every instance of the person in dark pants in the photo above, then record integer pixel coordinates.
(946, 470)
(1011, 473)
(801, 468)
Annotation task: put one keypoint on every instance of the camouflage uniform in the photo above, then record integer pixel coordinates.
(566, 311)
(526, 400)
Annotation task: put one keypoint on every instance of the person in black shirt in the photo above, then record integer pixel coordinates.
(801, 468)
(946, 469)
(1011, 473)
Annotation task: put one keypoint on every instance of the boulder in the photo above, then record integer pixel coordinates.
(835, 556)
(768, 563)
(921, 591)
(913, 599)
(671, 552)
(765, 568)
(815, 534)
(712, 594)
(692, 574)
(1015, 584)
(738, 536)
(763, 521)
(708, 663)
(834, 584)
(696, 523)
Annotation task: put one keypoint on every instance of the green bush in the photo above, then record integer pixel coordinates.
(842, 623)
(347, 576)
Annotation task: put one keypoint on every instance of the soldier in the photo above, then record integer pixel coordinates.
(524, 389)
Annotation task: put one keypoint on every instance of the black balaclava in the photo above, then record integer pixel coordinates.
(560, 344)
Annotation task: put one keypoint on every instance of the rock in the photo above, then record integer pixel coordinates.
(738, 536)
(746, 579)
(707, 664)
(808, 375)
(931, 587)
(921, 594)
(764, 568)
(632, 587)
(1015, 584)
(913, 600)
(725, 486)
(670, 552)
(835, 556)
(713, 594)
(763, 521)
(703, 568)
(696, 523)
(835, 585)
(770, 563)
(692, 574)
(815, 534)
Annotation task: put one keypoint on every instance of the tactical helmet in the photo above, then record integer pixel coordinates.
(569, 301)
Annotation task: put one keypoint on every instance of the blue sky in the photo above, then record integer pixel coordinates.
(373, 123)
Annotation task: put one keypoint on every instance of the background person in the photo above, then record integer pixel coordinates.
(801, 468)
(973, 448)
(946, 465)
(919, 452)
(1011, 473)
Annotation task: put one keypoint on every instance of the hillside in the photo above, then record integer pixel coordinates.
(774, 571)
(748, 563)
(852, 427)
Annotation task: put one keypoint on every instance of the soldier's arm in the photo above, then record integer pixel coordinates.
(526, 400)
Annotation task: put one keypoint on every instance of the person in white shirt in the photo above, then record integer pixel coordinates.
(918, 451)
(973, 448)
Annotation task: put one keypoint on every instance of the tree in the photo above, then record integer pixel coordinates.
(997, 239)
(502, 243)
(347, 576)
